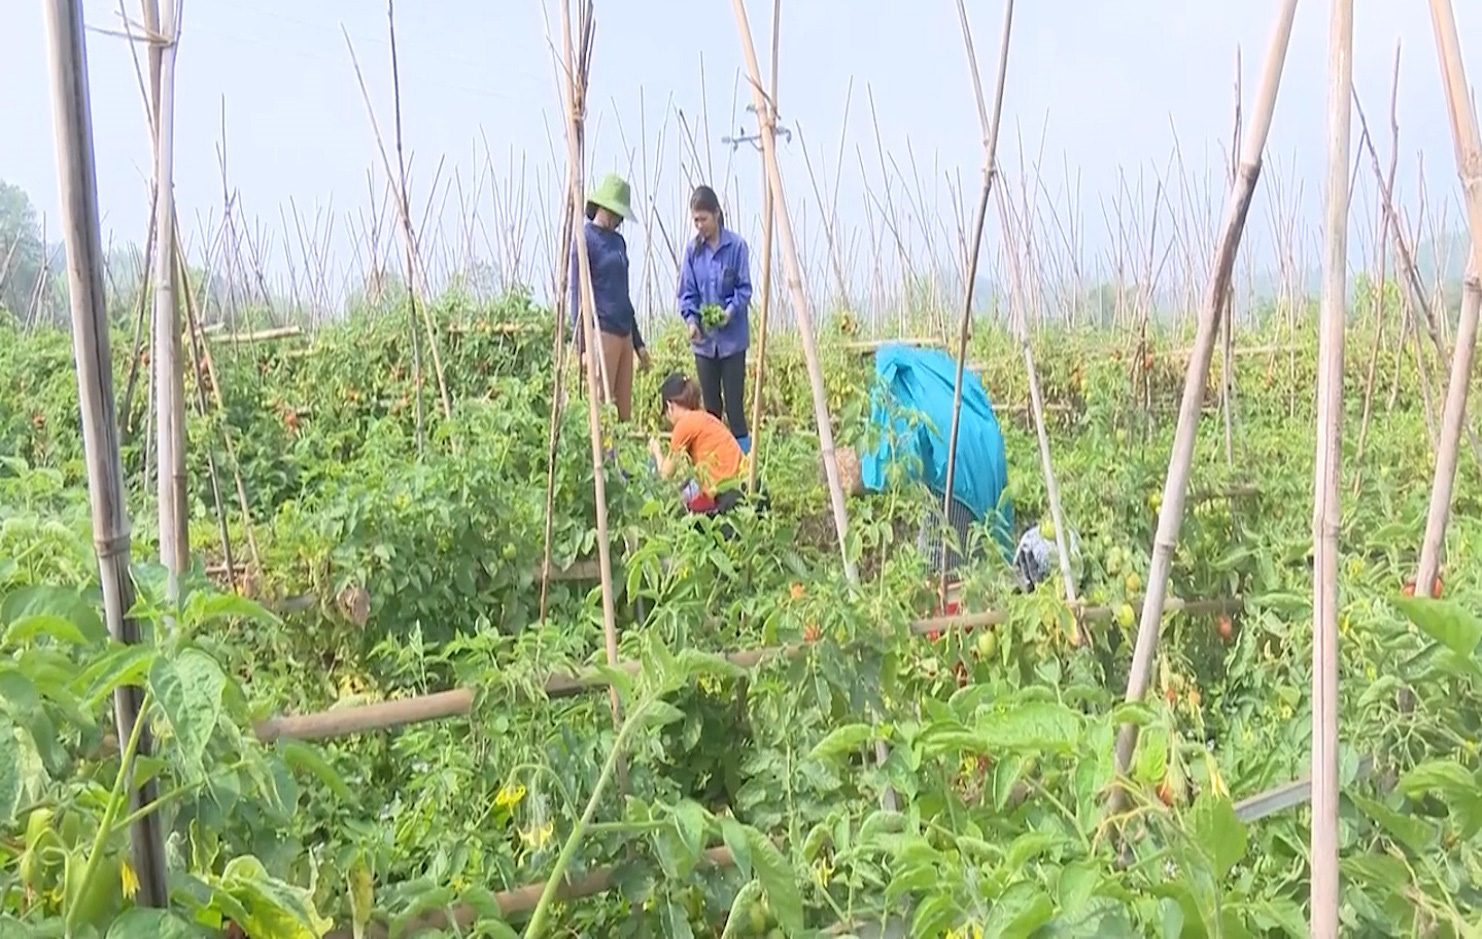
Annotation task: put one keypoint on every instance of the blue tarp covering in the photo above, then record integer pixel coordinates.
(912, 408)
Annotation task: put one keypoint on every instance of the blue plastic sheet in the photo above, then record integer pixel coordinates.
(911, 408)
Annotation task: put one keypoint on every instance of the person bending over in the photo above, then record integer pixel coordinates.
(711, 448)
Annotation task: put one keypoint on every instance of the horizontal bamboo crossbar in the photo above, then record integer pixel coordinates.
(1287, 795)
(518, 902)
(871, 346)
(458, 702)
(497, 329)
(261, 335)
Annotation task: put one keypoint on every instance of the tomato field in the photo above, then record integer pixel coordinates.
(732, 792)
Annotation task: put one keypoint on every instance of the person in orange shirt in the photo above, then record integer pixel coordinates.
(706, 441)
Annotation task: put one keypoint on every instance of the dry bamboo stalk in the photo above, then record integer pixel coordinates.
(1381, 255)
(195, 347)
(758, 389)
(140, 318)
(562, 271)
(261, 335)
(1227, 345)
(403, 208)
(1037, 410)
(1468, 141)
(458, 702)
(1170, 516)
(1405, 261)
(1453, 416)
(409, 245)
(169, 386)
(989, 127)
(803, 312)
(1328, 475)
(575, 119)
(515, 903)
(78, 186)
(793, 272)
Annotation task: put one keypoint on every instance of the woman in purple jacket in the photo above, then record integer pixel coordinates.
(717, 273)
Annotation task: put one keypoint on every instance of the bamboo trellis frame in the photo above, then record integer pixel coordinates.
(64, 20)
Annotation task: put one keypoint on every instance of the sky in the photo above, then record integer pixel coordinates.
(1096, 92)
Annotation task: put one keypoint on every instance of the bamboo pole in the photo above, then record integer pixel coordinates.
(1171, 514)
(1037, 410)
(203, 354)
(758, 387)
(140, 319)
(1329, 469)
(575, 118)
(1381, 255)
(989, 127)
(78, 186)
(516, 903)
(403, 208)
(1468, 142)
(212, 474)
(169, 384)
(1227, 344)
(562, 275)
(792, 271)
(459, 702)
(1405, 261)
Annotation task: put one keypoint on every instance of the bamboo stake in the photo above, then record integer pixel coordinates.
(1227, 344)
(801, 309)
(459, 702)
(409, 243)
(989, 127)
(575, 117)
(758, 389)
(1170, 516)
(140, 319)
(169, 385)
(78, 185)
(200, 382)
(403, 210)
(1329, 469)
(1381, 255)
(562, 273)
(1405, 260)
(1468, 142)
(1037, 410)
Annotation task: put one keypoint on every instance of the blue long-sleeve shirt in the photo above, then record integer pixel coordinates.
(719, 274)
(607, 255)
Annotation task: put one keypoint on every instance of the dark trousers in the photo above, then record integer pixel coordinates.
(723, 385)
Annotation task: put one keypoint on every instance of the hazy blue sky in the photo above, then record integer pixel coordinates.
(1104, 82)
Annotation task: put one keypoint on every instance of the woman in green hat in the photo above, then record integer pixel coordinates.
(617, 321)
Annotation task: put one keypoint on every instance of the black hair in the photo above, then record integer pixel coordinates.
(591, 211)
(680, 390)
(704, 199)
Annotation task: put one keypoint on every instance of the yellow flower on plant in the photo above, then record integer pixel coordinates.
(510, 795)
(967, 932)
(538, 836)
(129, 879)
(823, 872)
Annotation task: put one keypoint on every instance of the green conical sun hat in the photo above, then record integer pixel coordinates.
(615, 194)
